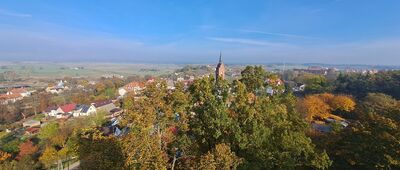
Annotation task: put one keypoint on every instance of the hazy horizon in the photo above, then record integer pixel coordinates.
(183, 32)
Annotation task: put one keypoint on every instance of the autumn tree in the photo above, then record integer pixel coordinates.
(80, 97)
(49, 157)
(152, 123)
(179, 100)
(100, 87)
(4, 156)
(365, 145)
(221, 157)
(44, 101)
(27, 148)
(26, 162)
(97, 151)
(314, 107)
(321, 106)
(343, 103)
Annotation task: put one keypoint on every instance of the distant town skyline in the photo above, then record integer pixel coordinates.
(269, 31)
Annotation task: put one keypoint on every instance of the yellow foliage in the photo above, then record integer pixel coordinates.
(49, 156)
(343, 103)
(220, 158)
(322, 105)
(4, 156)
(314, 106)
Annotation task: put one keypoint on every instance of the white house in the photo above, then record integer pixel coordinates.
(299, 87)
(122, 91)
(52, 113)
(59, 88)
(14, 95)
(84, 110)
(63, 115)
(57, 111)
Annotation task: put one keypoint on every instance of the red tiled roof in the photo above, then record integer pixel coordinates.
(18, 90)
(32, 130)
(68, 108)
(132, 85)
(10, 96)
(101, 103)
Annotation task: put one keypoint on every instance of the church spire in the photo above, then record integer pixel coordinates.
(220, 57)
(220, 70)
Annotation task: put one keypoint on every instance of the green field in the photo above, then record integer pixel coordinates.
(57, 70)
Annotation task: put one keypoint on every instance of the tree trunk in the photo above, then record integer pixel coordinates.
(173, 163)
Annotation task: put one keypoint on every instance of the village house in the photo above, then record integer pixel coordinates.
(63, 115)
(104, 106)
(51, 111)
(10, 98)
(274, 81)
(14, 95)
(68, 108)
(299, 87)
(59, 88)
(61, 112)
(134, 86)
(275, 85)
(31, 123)
(170, 84)
(22, 91)
(84, 110)
(114, 112)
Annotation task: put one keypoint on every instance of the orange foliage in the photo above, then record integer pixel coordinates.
(321, 105)
(27, 148)
(4, 156)
(313, 106)
(326, 97)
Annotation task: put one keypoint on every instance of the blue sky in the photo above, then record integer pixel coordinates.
(265, 31)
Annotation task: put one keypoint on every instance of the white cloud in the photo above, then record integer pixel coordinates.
(277, 34)
(244, 41)
(62, 45)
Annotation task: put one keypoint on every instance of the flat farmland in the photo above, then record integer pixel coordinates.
(57, 70)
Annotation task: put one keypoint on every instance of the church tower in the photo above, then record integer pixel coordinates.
(220, 70)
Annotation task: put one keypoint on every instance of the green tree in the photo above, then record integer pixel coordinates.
(359, 85)
(48, 131)
(211, 122)
(254, 78)
(266, 132)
